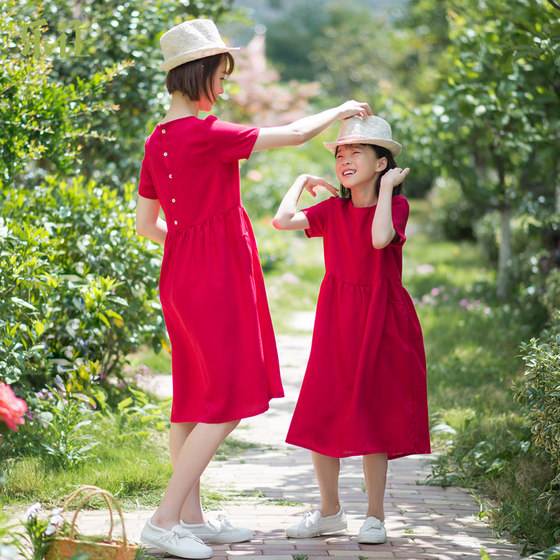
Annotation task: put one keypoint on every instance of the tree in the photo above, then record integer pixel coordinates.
(499, 116)
(41, 117)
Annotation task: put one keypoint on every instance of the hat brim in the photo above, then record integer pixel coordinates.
(394, 147)
(194, 55)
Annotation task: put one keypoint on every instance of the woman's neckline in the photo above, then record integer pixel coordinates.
(161, 123)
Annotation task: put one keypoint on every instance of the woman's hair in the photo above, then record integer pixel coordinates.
(380, 151)
(194, 79)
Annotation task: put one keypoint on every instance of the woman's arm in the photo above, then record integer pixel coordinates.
(287, 217)
(382, 229)
(304, 129)
(148, 222)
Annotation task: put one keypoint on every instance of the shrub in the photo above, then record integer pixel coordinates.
(539, 391)
(78, 285)
(43, 117)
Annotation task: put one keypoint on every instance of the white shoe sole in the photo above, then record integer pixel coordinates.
(318, 533)
(146, 539)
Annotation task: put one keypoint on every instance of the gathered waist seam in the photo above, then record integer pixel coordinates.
(331, 276)
(203, 222)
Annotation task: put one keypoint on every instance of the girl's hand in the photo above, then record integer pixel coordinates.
(311, 183)
(394, 177)
(354, 109)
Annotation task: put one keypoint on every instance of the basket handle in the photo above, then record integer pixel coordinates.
(90, 492)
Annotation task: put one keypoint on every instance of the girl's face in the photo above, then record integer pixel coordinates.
(216, 87)
(357, 165)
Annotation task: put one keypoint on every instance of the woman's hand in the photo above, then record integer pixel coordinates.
(394, 177)
(354, 109)
(311, 183)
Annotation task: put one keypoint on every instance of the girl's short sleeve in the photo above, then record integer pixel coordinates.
(399, 210)
(317, 218)
(231, 141)
(146, 187)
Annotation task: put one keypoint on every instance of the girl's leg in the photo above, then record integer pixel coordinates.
(375, 474)
(192, 508)
(327, 470)
(191, 460)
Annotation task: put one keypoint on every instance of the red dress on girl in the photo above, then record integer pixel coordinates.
(364, 390)
(223, 350)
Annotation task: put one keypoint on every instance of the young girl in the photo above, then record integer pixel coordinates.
(364, 391)
(224, 360)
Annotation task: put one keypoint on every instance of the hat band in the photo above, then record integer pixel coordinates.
(347, 138)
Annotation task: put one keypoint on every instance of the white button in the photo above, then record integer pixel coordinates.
(172, 200)
(175, 222)
(163, 130)
(170, 176)
(164, 153)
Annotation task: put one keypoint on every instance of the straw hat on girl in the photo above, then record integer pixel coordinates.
(368, 130)
(191, 40)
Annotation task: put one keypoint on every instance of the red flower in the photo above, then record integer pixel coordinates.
(12, 408)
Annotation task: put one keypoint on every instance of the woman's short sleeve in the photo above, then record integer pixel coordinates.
(399, 210)
(317, 218)
(232, 141)
(146, 187)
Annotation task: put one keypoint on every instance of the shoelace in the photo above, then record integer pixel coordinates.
(224, 522)
(307, 518)
(216, 525)
(171, 536)
(181, 532)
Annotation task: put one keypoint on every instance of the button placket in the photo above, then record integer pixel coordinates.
(173, 200)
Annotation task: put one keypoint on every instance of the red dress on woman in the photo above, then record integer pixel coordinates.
(223, 351)
(364, 390)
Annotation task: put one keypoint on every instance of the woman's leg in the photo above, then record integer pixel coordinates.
(191, 459)
(327, 470)
(192, 508)
(375, 474)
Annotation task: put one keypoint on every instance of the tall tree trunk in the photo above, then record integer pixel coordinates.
(505, 253)
(557, 188)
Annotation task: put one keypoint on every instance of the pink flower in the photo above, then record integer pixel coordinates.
(12, 409)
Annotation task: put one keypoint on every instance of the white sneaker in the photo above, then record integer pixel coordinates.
(314, 524)
(372, 531)
(219, 531)
(177, 541)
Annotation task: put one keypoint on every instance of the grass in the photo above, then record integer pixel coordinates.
(135, 468)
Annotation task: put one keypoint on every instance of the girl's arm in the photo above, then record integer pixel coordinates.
(304, 129)
(148, 222)
(382, 229)
(287, 217)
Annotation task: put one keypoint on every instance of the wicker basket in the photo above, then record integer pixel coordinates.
(66, 547)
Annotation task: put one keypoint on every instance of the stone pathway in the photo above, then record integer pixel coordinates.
(273, 484)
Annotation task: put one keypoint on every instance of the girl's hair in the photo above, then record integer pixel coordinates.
(380, 151)
(194, 79)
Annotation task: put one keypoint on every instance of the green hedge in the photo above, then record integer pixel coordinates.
(540, 393)
(78, 286)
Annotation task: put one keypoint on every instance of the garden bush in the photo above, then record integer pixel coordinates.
(539, 391)
(78, 285)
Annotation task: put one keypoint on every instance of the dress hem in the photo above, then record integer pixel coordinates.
(230, 419)
(390, 454)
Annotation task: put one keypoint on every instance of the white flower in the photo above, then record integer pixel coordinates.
(57, 511)
(50, 530)
(32, 512)
(56, 520)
